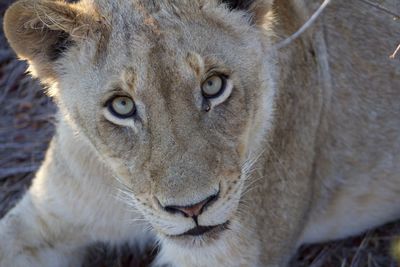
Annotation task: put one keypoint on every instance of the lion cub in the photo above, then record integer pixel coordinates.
(180, 120)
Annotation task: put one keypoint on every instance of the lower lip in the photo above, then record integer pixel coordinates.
(203, 239)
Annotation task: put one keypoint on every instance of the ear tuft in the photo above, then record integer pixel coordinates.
(257, 8)
(239, 4)
(61, 45)
(40, 31)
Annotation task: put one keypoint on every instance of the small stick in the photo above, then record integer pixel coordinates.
(17, 170)
(382, 8)
(305, 26)
(392, 56)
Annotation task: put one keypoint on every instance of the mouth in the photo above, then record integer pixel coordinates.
(206, 230)
(200, 235)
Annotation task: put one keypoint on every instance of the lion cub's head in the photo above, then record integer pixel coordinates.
(175, 96)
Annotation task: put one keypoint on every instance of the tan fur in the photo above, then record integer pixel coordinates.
(305, 149)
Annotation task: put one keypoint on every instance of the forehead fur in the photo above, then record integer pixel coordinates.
(146, 22)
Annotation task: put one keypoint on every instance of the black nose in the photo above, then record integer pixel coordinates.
(193, 210)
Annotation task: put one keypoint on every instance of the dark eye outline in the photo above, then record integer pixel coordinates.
(115, 113)
(223, 78)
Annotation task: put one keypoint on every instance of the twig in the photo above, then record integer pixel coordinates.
(12, 79)
(19, 146)
(382, 8)
(321, 258)
(305, 26)
(5, 54)
(362, 246)
(392, 56)
(17, 170)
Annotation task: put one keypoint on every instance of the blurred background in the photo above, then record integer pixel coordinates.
(27, 125)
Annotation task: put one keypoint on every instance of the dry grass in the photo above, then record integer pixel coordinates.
(26, 127)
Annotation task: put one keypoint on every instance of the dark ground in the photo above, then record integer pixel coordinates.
(26, 127)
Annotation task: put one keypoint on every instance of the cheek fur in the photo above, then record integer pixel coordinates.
(119, 140)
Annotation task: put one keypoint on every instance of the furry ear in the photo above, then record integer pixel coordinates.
(257, 8)
(40, 31)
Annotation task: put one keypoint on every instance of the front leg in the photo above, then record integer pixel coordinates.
(33, 237)
(60, 215)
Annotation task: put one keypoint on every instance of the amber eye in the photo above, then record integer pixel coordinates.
(213, 86)
(122, 107)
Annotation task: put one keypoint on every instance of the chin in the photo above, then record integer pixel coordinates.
(199, 250)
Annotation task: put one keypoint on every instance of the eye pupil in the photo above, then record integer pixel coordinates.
(122, 107)
(214, 86)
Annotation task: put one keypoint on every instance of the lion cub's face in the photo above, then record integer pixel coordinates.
(175, 99)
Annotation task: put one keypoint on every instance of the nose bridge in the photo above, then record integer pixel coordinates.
(173, 141)
(186, 181)
(182, 175)
(173, 118)
(175, 131)
(186, 160)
